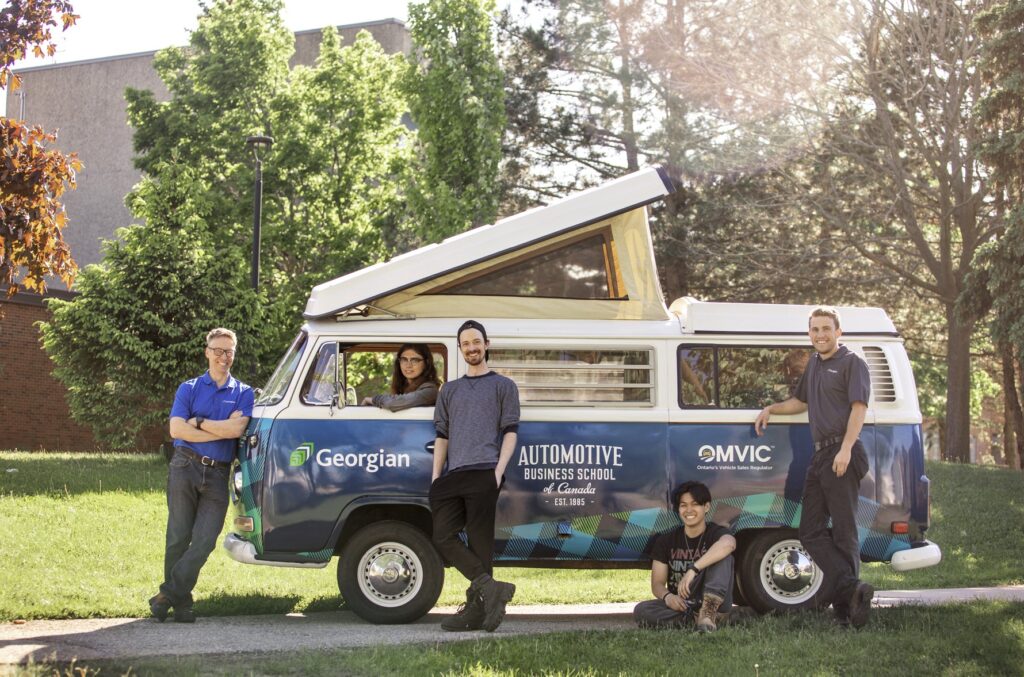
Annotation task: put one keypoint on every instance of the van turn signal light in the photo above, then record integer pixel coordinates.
(243, 523)
(900, 528)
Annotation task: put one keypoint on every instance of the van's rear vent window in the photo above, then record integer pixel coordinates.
(619, 377)
(882, 385)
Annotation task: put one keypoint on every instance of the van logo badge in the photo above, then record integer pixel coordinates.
(301, 454)
(735, 457)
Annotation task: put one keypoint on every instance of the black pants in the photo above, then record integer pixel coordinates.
(827, 496)
(465, 501)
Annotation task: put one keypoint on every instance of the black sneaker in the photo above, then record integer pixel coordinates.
(860, 604)
(159, 607)
(470, 615)
(496, 595)
(184, 615)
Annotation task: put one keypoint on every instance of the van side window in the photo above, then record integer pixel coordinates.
(360, 370)
(578, 376)
(738, 377)
(578, 268)
(320, 383)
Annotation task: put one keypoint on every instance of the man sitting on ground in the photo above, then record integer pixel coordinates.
(691, 567)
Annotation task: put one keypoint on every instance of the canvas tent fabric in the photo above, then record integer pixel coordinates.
(437, 280)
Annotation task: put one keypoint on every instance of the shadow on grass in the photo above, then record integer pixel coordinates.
(41, 474)
(256, 604)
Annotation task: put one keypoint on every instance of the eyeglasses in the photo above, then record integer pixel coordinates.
(221, 352)
(411, 360)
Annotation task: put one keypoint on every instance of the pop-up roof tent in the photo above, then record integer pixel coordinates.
(588, 256)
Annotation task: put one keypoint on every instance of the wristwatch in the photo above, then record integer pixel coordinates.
(199, 422)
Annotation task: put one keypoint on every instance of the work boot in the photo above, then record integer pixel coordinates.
(842, 615)
(860, 604)
(708, 613)
(496, 595)
(159, 606)
(184, 614)
(470, 615)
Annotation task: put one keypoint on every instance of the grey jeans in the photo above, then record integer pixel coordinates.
(717, 578)
(197, 501)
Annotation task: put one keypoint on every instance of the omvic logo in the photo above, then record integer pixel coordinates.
(735, 453)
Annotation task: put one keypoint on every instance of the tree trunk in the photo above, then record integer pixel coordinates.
(958, 385)
(1013, 423)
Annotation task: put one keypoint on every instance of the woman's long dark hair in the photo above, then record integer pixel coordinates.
(398, 381)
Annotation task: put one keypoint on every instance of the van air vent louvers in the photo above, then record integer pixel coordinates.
(881, 377)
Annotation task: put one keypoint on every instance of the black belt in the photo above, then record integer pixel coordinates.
(828, 442)
(204, 460)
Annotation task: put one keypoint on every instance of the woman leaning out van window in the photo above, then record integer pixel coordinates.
(414, 381)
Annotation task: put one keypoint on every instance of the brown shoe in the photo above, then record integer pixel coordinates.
(860, 604)
(159, 606)
(708, 613)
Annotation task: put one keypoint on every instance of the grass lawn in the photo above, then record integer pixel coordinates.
(989, 640)
(82, 536)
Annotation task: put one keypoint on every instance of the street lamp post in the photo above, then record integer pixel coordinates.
(257, 143)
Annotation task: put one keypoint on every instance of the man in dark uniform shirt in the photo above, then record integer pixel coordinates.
(834, 390)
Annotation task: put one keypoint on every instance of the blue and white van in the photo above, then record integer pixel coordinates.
(622, 399)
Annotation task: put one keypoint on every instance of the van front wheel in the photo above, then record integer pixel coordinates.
(390, 573)
(777, 574)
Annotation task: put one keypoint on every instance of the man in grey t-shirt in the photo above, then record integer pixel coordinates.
(476, 418)
(834, 391)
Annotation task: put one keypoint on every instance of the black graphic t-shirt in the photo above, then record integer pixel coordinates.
(679, 552)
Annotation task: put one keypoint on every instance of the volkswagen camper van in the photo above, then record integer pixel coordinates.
(622, 399)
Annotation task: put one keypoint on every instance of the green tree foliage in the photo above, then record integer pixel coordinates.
(32, 176)
(331, 196)
(142, 314)
(998, 282)
(456, 99)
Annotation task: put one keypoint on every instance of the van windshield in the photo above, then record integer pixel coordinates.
(278, 383)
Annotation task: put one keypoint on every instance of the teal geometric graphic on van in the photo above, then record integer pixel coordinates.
(318, 556)
(301, 454)
(628, 536)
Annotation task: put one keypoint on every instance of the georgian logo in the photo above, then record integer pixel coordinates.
(301, 454)
(369, 462)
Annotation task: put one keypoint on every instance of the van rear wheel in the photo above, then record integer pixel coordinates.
(389, 572)
(777, 574)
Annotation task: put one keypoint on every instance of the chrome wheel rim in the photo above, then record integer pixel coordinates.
(390, 574)
(788, 574)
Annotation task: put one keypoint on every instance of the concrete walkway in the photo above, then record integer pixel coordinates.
(121, 638)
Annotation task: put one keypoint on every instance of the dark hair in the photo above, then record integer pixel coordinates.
(398, 380)
(825, 311)
(473, 324)
(698, 490)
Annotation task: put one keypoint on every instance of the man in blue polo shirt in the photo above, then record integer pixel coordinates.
(834, 391)
(209, 414)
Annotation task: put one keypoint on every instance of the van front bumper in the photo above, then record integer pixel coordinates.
(927, 555)
(243, 551)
